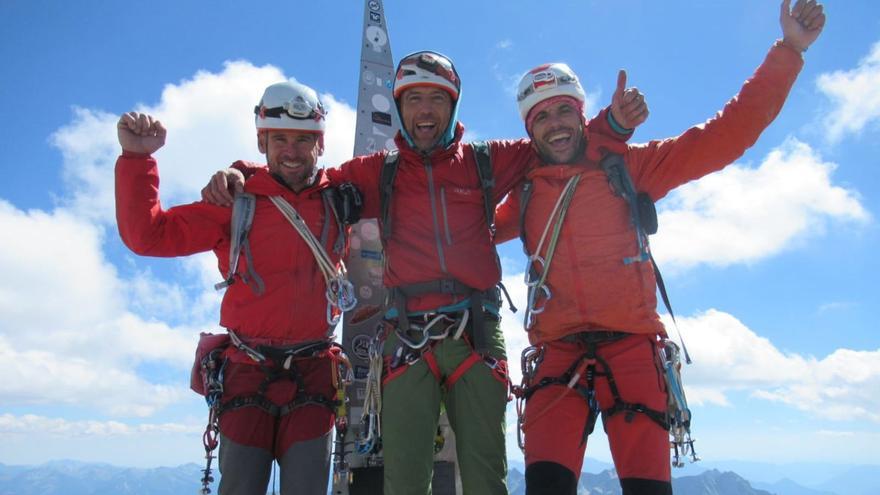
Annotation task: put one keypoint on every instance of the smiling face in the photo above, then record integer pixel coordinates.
(292, 156)
(425, 112)
(557, 130)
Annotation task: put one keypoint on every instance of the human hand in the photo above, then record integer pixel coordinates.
(802, 24)
(140, 133)
(628, 106)
(223, 187)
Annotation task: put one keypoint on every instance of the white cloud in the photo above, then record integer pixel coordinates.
(67, 335)
(33, 424)
(504, 44)
(339, 137)
(855, 95)
(741, 215)
(731, 357)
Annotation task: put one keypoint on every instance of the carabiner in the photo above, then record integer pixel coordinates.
(527, 276)
(414, 345)
(533, 299)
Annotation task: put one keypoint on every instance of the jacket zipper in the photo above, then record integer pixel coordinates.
(431, 193)
(445, 216)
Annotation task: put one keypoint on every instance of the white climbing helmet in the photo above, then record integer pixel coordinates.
(544, 82)
(290, 105)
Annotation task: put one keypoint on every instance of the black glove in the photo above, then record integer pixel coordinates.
(349, 203)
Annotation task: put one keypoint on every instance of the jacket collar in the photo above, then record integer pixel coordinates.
(411, 154)
(263, 183)
(598, 145)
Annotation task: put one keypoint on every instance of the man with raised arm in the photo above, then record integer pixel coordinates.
(277, 373)
(592, 310)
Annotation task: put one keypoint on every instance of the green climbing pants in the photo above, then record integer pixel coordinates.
(475, 404)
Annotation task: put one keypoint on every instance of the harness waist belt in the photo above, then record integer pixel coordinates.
(445, 286)
(598, 336)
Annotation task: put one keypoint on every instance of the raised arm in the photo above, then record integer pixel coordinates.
(143, 225)
(660, 166)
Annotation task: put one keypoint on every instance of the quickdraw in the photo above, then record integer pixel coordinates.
(368, 441)
(212, 372)
(679, 415)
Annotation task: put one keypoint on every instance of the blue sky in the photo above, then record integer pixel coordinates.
(770, 264)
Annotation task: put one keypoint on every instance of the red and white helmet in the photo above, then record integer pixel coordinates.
(290, 105)
(427, 69)
(544, 82)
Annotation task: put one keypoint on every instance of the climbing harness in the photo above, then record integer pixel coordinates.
(277, 363)
(535, 282)
(405, 355)
(589, 365)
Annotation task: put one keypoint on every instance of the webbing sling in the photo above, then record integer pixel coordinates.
(242, 218)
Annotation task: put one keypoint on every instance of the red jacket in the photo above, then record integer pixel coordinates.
(439, 228)
(293, 307)
(591, 287)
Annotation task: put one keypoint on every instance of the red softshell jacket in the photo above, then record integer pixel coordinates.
(293, 307)
(438, 218)
(591, 286)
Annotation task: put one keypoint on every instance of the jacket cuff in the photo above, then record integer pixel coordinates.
(781, 44)
(615, 126)
(137, 156)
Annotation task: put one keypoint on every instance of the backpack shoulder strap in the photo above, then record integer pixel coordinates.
(644, 218)
(328, 197)
(386, 185)
(487, 181)
(524, 197)
(240, 226)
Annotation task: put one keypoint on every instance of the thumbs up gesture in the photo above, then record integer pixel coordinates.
(628, 106)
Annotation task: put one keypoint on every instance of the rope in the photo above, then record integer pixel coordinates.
(557, 216)
(340, 292)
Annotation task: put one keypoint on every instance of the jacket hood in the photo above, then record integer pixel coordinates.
(405, 146)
